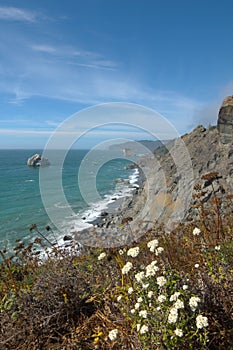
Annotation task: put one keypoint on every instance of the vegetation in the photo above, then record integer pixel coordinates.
(166, 291)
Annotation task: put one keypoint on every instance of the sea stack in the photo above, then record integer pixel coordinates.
(37, 160)
(225, 121)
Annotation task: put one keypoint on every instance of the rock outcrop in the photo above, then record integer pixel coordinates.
(37, 160)
(225, 121)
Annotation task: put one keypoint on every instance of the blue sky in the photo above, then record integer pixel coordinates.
(58, 57)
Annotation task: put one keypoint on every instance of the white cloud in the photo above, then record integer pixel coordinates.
(16, 14)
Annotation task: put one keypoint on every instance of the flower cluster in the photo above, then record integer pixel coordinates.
(102, 256)
(133, 252)
(126, 268)
(113, 334)
(201, 321)
(196, 231)
(153, 245)
(193, 302)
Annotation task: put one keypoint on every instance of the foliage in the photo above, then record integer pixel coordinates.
(166, 291)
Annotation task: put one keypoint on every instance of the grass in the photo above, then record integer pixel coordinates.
(165, 291)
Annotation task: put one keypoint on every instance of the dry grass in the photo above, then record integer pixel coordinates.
(74, 302)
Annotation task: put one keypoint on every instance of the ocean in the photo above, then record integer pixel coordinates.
(21, 204)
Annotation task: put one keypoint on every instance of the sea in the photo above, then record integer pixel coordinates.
(21, 203)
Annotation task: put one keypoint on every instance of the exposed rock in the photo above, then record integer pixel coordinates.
(225, 120)
(37, 160)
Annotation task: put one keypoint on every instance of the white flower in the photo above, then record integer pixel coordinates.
(174, 296)
(113, 334)
(151, 270)
(158, 308)
(125, 269)
(153, 245)
(139, 300)
(159, 250)
(217, 247)
(130, 290)
(121, 252)
(119, 297)
(173, 315)
(139, 276)
(137, 306)
(185, 287)
(196, 231)
(145, 286)
(196, 266)
(102, 256)
(201, 321)
(193, 302)
(133, 252)
(161, 298)
(132, 311)
(144, 329)
(150, 294)
(178, 332)
(153, 263)
(161, 281)
(179, 304)
(143, 313)
(138, 327)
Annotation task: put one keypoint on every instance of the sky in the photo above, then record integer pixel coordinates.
(58, 58)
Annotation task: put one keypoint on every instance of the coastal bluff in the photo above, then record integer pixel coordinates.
(167, 194)
(37, 160)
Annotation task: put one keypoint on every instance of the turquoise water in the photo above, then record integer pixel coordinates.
(20, 200)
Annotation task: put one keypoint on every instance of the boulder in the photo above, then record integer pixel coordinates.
(37, 160)
(225, 121)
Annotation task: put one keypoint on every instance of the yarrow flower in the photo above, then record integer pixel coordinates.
(153, 245)
(133, 311)
(143, 313)
(178, 332)
(159, 250)
(125, 269)
(145, 286)
(144, 329)
(193, 302)
(139, 276)
(179, 304)
(174, 296)
(102, 256)
(130, 290)
(121, 252)
(139, 300)
(173, 315)
(151, 269)
(185, 287)
(161, 281)
(201, 321)
(217, 247)
(137, 306)
(196, 231)
(150, 294)
(113, 334)
(161, 298)
(119, 297)
(133, 252)
(196, 266)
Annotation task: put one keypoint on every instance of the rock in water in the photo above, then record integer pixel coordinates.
(37, 160)
(225, 120)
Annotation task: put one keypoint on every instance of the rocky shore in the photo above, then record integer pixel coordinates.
(167, 181)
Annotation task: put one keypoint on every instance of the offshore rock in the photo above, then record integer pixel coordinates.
(225, 121)
(37, 160)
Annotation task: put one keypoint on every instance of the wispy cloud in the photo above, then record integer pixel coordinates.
(17, 14)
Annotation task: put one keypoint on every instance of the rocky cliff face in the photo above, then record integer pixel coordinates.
(170, 184)
(225, 121)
